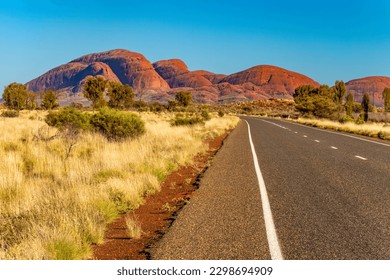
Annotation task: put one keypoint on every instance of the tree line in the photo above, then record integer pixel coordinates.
(17, 97)
(322, 102)
(95, 89)
(330, 102)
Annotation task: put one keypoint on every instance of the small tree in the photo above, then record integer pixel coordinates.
(339, 91)
(121, 96)
(317, 102)
(386, 101)
(15, 96)
(366, 105)
(349, 105)
(183, 98)
(31, 100)
(49, 100)
(94, 89)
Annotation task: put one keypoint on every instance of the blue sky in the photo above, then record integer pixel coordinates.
(325, 40)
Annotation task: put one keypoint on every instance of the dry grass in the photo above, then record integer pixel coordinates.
(54, 203)
(378, 130)
(133, 227)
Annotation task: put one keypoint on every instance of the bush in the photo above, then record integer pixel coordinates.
(117, 125)
(221, 113)
(10, 114)
(346, 118)
(183, 98)
(186, 120)
(205, 115)
(69, 118)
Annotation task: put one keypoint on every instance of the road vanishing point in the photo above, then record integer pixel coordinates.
(280, 190)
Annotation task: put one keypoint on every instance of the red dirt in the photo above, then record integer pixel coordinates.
(176, 190)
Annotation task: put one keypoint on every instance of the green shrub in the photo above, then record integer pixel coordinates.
(69, 118)
(186, 120)
(221, 113)
(346, 118)
(10, 114)
(116, 125)
(205, 115)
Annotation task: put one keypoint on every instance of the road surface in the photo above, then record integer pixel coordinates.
(327, 197)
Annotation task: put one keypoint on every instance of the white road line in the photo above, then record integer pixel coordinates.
(278, 125)
(343, 134)
(318, 141)
(273, 243)
(359, 157)
(305, 136)
(334, 148)
(296, 132)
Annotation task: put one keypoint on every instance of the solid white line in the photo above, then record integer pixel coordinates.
(334, 148)
(359, 157)
(273, 243)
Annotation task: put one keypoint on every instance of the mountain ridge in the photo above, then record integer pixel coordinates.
(161, 80)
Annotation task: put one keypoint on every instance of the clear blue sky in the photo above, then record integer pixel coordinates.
(325, 40)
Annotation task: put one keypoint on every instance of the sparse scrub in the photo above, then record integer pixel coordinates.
(51, 208)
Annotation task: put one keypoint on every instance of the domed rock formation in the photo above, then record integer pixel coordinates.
(117, 65)
(160, 80)
(373, 85)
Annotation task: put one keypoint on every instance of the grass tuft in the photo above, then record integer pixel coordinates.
(133, 228)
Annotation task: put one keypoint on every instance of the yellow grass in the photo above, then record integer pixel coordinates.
(378, 130)
(54, 207)
(133, 227)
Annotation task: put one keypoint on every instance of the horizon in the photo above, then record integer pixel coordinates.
(325, 40)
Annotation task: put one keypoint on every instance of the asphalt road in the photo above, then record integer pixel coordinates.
(329, 194)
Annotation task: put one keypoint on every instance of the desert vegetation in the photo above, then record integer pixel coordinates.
(326, 107)
(62, 183)
(377, 130)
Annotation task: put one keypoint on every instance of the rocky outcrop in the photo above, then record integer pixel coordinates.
(176, 73)
(373, 85)
(271, 80)
(161, 80)
(117, 65)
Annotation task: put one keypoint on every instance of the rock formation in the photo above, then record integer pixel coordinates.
(161, 80)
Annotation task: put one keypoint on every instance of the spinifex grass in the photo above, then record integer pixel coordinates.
(56, 201)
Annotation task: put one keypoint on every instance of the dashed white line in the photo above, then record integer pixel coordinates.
(359, 157)
(334, 148)
(318, 141)
(305, 136)
(296, 132)
(275, 124)
(345, 135)
(273, 243)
